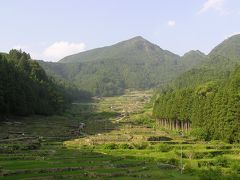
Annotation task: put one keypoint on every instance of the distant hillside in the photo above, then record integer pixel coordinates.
(138, 64)
(216, 66)
(192, 58)
(135, 63)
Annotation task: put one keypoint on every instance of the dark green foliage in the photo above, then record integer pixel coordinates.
(212, 107)
(26, 89)
(110, 146)
(222, 161)
(207, 95)
(125, 146)
(200, 134)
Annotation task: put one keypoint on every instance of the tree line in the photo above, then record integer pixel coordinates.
(212, 107)
(26, 89)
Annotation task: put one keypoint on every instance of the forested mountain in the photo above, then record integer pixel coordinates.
(207, 95)
(26, 89)
(135, 50)
(216, 66)
(135, 63)
(229, 48)
(192, 59)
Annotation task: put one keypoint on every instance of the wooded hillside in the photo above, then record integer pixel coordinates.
(26, 89)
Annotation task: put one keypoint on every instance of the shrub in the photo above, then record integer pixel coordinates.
(110, 146)
(164, 147)
(200, 134)
(125, 146)
(173, 161)
(144, 119)
(222, 161)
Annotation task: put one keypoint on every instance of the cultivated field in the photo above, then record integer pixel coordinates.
(120, 141)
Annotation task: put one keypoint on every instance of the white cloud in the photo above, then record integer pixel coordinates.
(216, 5)
(60, 49)
(171, 23)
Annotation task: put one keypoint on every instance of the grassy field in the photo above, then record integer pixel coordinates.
(120, 141)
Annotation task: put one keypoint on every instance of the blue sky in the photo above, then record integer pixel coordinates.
(52, 29)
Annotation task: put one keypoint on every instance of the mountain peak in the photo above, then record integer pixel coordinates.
(229, 48)
(136, 49)
(194, 52)
(136, 39)
(192, 58)
(233, 37)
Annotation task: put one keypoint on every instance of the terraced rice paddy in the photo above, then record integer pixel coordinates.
(120, 141)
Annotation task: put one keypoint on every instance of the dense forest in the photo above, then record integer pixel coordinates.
(207, 96)
(26, 89)
(132, 64)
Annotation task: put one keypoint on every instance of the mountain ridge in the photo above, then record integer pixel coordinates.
(120, 49)
(229, 48)
(137, 63)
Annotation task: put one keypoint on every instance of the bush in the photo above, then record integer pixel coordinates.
(173, 161)
(222, 161)
(144, 119)
(164, 147)
(110, 146)
(200, 134)
(125, 146)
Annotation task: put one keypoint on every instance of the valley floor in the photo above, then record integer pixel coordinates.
(119, 141)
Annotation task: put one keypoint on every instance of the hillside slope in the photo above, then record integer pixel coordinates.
(26, 89)
(135, 63)
(229, 48)
(207, 96)
(216, 66)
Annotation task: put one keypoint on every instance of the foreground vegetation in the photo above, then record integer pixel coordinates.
(137, 136)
